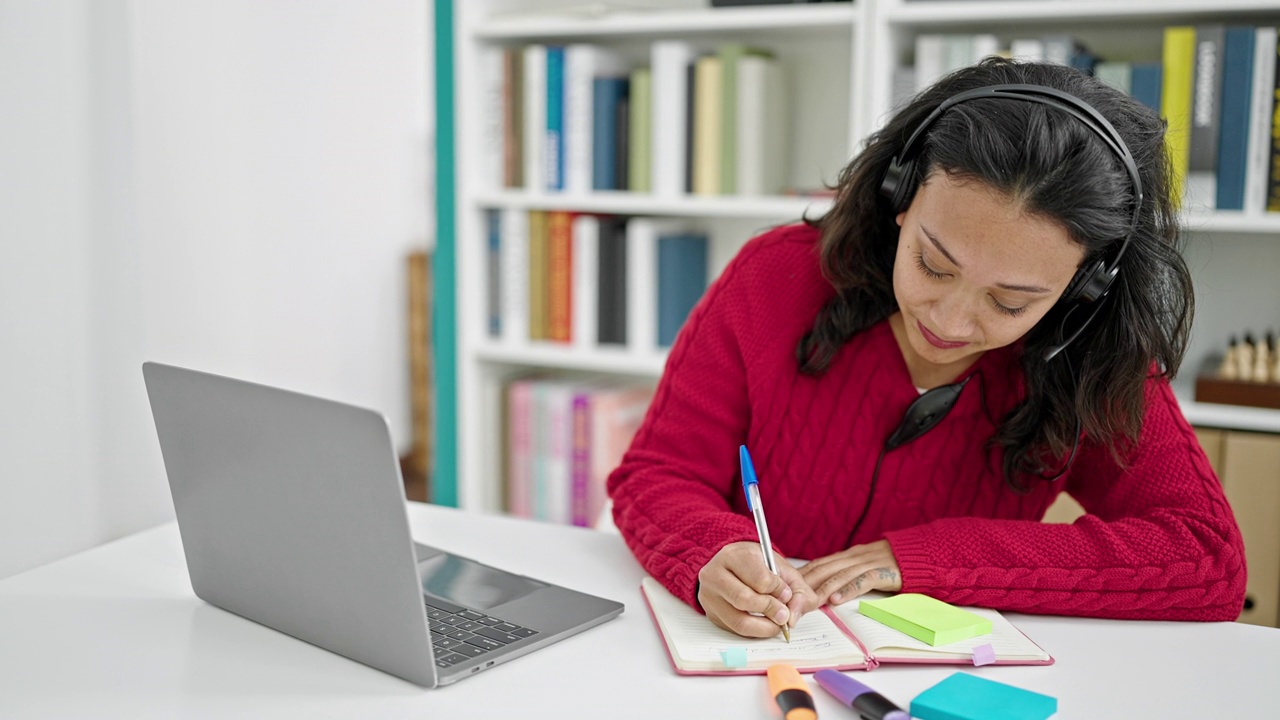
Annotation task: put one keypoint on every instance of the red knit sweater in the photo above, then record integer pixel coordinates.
(1159, 540)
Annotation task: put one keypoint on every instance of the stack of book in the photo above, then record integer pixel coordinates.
(575, 118)
(564, 437)
(588, 280)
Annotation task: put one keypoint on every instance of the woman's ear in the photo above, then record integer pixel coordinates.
(900, 217)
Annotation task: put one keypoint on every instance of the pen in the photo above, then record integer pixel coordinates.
(791, 693)
(869, 704)
(750, 484)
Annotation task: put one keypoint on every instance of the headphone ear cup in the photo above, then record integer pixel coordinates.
(895, 187)
(1090, 284)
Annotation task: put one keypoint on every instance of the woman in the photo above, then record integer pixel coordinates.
(1019, 252)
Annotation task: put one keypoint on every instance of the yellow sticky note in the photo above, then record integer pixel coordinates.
(926, 619)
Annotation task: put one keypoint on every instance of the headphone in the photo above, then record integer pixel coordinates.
(1091, 282)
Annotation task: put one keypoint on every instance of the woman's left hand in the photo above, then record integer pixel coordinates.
(849, 573)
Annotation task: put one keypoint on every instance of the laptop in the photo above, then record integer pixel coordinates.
(292, 514)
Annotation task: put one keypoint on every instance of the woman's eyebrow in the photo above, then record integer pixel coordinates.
(1032, 289)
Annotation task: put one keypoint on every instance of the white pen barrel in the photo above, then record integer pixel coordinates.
(757, 511)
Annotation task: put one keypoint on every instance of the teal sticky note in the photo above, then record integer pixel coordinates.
(734, 657)
(968, 697)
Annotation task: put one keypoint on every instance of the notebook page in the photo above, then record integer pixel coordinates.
(886, 643)
(696, 643)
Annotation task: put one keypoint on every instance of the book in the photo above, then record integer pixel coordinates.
(1145, 81)
(534, 117)
(520, 448)
(640, 132)
(1118, 75)
(1260, 107)
(616, 414)
(559, 275)
(1233, 137)
(670, 61)
(538, 294)
(833, 637)
(1206, 114)
(514, 291)
(585, 259)
(512, 117)
(493, 271)
(708, 124)
(682, 279)
(762, 134)
(611, 282)
(731, 56)
(1178, 55)
(553, 148)
(609, 94)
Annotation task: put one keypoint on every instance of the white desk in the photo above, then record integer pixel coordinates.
(116, 632)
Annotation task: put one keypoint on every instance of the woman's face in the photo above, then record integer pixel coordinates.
(973, 271)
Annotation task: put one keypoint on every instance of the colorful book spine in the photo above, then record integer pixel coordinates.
(520, 448)
(585, 260)
(708, 123)
(1233, 138)
(682, 279)
(608, 95)
(1146, 81)
(1178, 56)
(1260, 124)
(1206, 113)
(669, 61)
(580, 462)
(493, 267)
(512, 117)
(559, 275)
(611, 284)
(761, 112)
(554, 146)
(538, 324)
(534, 114)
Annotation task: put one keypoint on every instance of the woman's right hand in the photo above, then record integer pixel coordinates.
(739, 594)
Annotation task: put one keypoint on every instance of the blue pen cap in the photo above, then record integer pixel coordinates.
(748, 473)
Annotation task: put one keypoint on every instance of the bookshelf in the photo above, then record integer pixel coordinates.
(839, 59)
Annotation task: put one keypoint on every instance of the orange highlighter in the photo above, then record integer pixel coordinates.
(792, 693)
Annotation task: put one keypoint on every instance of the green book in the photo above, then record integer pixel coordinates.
(926, 619)
(640, 137)
(729, 54)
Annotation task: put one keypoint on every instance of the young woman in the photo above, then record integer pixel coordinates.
(1009, 237)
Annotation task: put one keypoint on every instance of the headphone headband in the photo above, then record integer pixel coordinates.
(1092, 282)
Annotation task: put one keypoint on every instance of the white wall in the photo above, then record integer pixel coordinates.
(226, 185)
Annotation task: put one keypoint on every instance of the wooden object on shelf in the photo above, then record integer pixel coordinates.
(417, 465)
(1213, 389)
(1251, 480)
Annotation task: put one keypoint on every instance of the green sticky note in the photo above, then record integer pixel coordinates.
(926, 619)
(968, 697)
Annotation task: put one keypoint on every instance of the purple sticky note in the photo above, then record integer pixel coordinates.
(984, 655)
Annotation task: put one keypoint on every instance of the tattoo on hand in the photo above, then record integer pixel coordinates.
(887, 574)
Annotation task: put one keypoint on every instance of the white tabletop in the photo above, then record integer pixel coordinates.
(116, 632)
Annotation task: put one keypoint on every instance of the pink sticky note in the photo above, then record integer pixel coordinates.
(984, 655)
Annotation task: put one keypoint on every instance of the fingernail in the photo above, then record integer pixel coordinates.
(786, 594)
(781, 615)
(835, 597)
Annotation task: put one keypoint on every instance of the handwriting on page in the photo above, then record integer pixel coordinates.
(814, 639)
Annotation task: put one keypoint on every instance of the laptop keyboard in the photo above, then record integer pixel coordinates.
(459, 634)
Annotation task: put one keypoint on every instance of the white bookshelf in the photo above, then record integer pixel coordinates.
(840, 58)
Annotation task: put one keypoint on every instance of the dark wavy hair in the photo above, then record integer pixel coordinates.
(1055, 167)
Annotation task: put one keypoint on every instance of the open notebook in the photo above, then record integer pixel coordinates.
(835, 637)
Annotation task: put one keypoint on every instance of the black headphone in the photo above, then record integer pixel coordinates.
(1091, 282)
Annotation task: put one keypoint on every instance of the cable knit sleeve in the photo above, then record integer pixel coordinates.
(1159, 540)
(673, 493)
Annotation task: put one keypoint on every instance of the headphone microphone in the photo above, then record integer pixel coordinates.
(1092, 281)
(925, 412)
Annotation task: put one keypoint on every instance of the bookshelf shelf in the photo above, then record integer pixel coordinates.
(625, 203)
(1223, 221)
(834, 17)
(560, 357)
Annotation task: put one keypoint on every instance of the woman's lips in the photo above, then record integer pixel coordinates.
(936, 341)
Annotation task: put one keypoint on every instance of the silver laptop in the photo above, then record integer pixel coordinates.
(292, 514)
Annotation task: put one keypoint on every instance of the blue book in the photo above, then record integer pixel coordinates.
(1233, 138)
(555, 117)
(493, 260)
(1145, 84)
(606, 94)
(682, 278)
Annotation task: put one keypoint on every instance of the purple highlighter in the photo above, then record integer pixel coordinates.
(869, 704)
